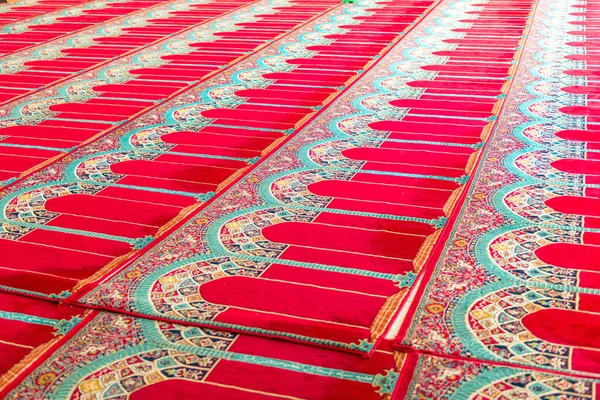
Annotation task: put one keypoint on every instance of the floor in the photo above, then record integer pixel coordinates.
(324, 199)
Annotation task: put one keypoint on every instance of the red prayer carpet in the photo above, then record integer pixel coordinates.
(325, 199)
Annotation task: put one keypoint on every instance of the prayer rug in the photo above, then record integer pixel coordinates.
(99, 355)
(133, 185)
(518, 281)
(226, 199)
(113, 356)
(348, 211)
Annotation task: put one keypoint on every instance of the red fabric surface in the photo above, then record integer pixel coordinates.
(334, 276)
(19, 336)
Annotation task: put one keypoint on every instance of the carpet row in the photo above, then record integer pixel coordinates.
(525, 290)
(281, 199)
(101, 355)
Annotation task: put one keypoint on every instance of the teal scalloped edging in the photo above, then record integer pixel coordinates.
(155, 342)
(481, 252)
(460, 315)
(30, 319)
(483, 257)
(466, 390)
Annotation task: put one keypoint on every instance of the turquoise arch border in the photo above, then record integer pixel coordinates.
(460, 315)
(483, 257)
(217, 248)
(267, 196)
(156, 342)
(145, 306)
(467, 389)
